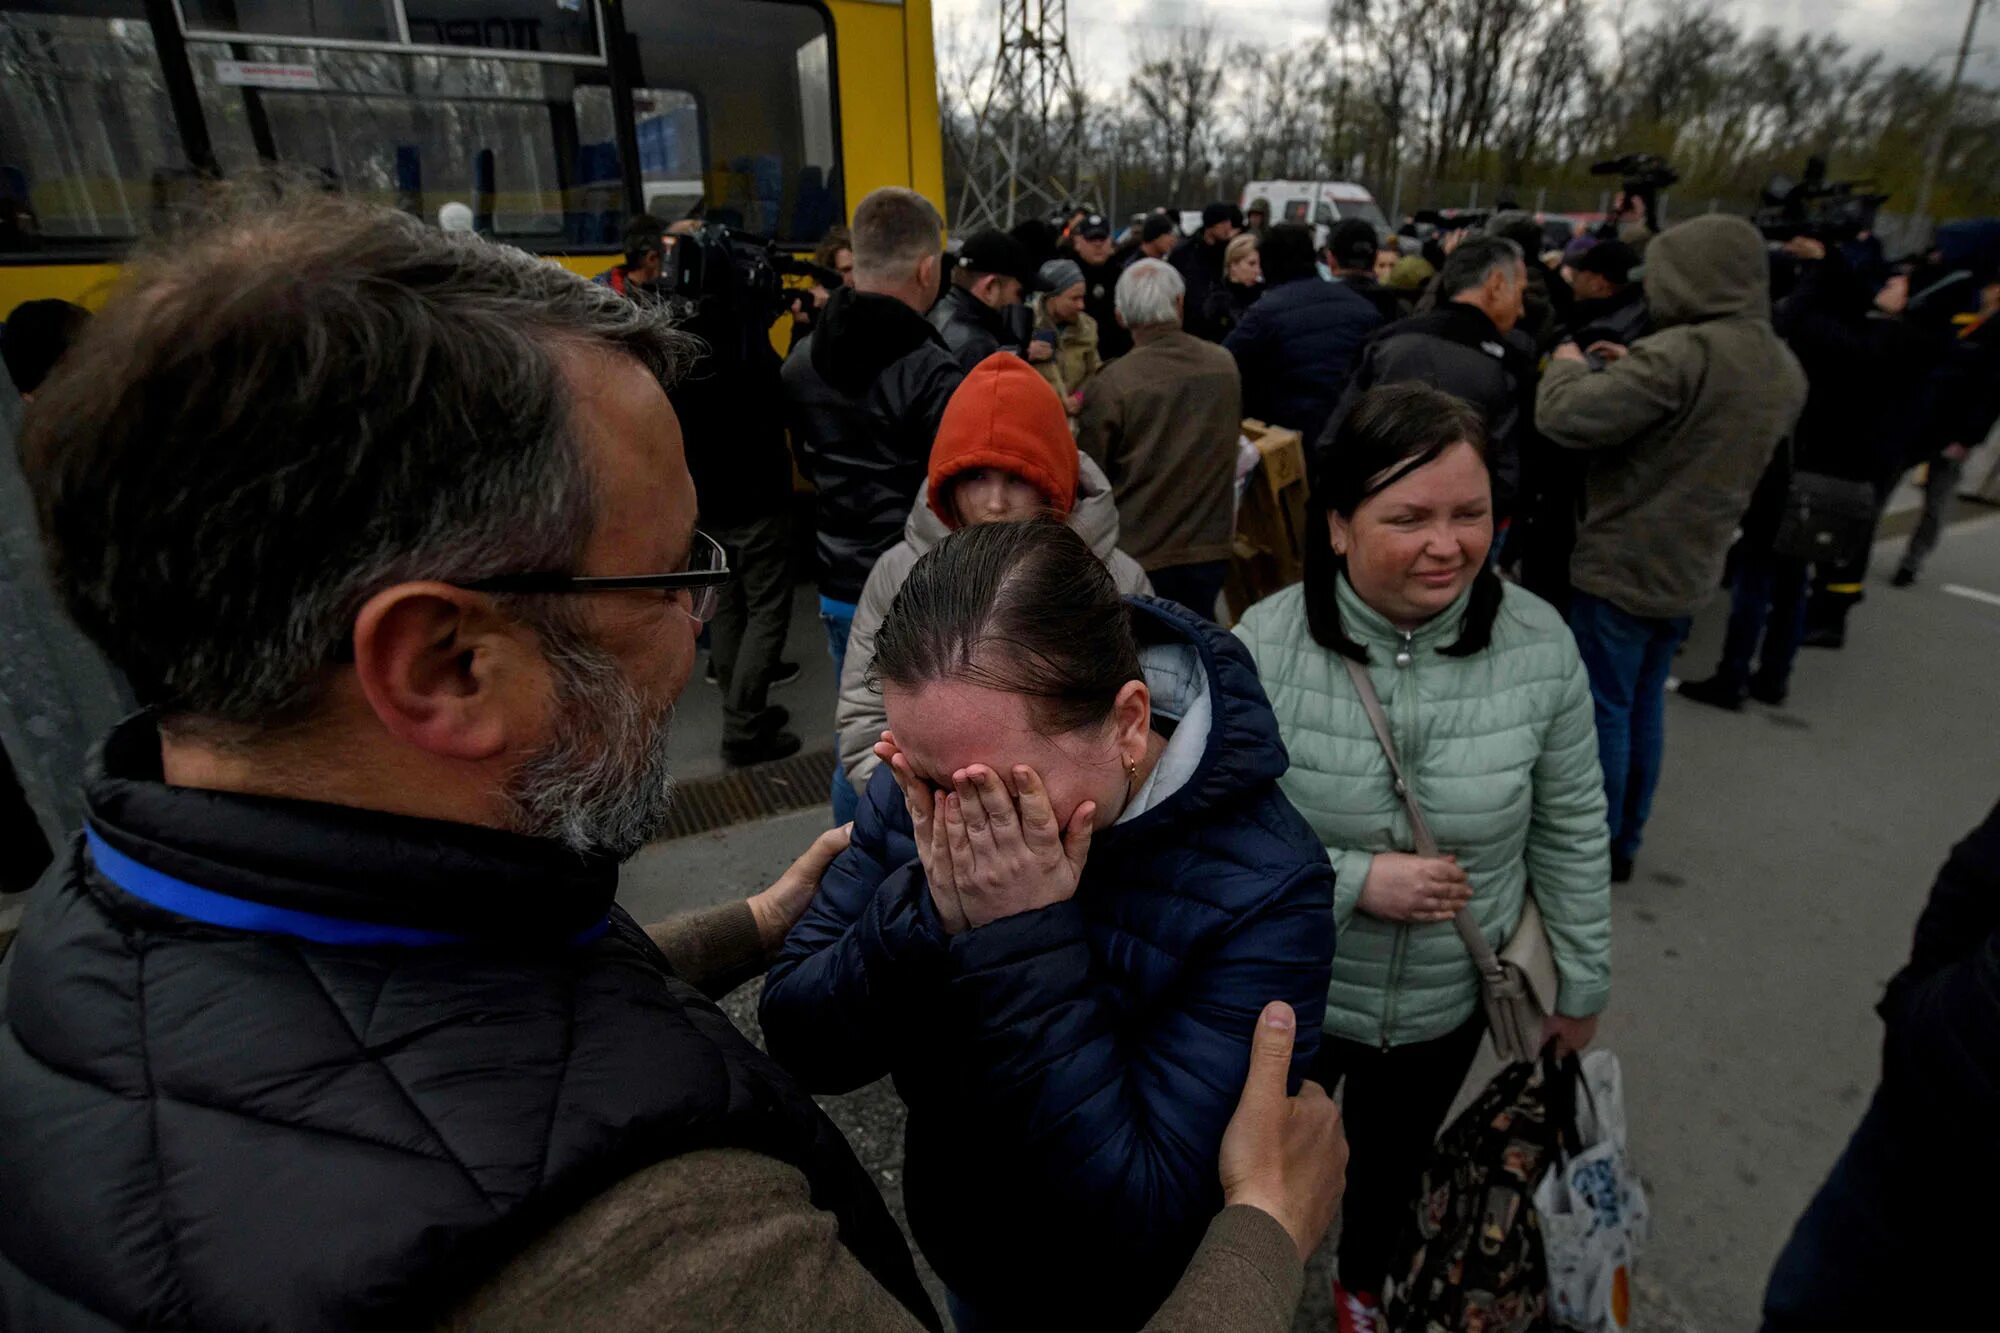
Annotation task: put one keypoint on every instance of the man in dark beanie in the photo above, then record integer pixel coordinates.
(1351, 248)
(1200, 261)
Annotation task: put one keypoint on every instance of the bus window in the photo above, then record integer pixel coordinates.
(1323, 215)
(87, 139)
(416, 132)
(757, 82)
(344, 20)
(671, 167)
(1295, 210)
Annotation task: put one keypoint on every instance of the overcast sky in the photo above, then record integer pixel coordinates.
(1105, 33)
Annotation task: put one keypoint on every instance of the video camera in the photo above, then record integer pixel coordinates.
(1640, 176)
(1832, 212)
(1451, 219)
(736, 278)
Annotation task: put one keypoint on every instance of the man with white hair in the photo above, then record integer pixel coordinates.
(1162, 421)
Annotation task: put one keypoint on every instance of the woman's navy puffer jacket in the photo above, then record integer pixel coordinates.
(1069, 1071)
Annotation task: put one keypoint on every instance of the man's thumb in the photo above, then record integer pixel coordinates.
(821, 854)
(1270, 1053)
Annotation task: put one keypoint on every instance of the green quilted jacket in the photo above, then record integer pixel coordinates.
(1501, 750)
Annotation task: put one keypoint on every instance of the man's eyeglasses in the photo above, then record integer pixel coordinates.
(707, 570)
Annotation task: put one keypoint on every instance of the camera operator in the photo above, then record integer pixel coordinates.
(731, 405)
(1635, 208)
(833, 265)
(645, 260)
(1842, 320)
(1610, 305)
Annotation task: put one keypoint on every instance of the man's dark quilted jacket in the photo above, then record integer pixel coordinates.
(227, 1129)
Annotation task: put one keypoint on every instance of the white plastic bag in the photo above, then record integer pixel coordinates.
(1593, 1210)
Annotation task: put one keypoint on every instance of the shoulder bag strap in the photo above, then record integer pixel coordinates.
(1420, 830)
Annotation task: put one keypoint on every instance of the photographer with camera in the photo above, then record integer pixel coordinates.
(1635, 209)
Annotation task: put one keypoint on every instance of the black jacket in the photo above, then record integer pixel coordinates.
(1200, 266)
(1296, 348)
(972, 329)
(1941, 1052)
(1962, 397)
(732, 416)
(864, 392)
(1864, 373)
(1389, 302)
(1621, 318)
(1455, 347)
(1100, 302)
(1228, 304)
(270, 1064)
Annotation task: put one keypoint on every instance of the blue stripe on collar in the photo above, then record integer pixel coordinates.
(218, 909)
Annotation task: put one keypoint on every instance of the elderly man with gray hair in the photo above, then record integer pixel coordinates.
(1162, 421)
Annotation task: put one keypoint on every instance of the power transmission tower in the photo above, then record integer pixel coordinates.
(1022, 157)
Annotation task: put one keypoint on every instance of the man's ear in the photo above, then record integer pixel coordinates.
(440, 669)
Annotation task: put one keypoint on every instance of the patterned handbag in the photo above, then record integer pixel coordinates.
(1473, 1259)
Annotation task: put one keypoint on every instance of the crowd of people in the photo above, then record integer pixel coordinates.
(329, 1018)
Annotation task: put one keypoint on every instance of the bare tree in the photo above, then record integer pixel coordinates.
(1174, 90)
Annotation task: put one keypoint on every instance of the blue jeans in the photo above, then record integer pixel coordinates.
(1861, 1240)
(1767, 603)
(1628, 658)
(967, 1318)
(838, 617)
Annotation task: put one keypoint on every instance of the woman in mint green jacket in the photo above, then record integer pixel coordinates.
(1490, 709)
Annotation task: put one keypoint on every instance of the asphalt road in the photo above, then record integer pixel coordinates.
(1788, 857)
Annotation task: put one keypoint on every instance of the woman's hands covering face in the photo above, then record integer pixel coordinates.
(990, 851)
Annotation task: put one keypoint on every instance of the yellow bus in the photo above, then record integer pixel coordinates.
(551, 121)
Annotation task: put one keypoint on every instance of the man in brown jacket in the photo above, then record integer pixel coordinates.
(1163, 421)
(330, 1020)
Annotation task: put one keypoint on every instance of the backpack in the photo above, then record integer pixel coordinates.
(1473, 1254)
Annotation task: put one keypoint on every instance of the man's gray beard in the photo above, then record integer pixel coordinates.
(600, 785)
